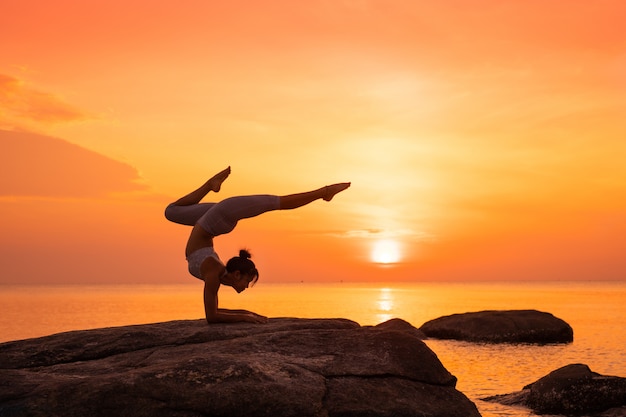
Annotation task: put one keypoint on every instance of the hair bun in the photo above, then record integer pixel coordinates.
(243, 253)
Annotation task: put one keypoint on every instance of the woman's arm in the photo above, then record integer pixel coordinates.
(227, 310)
(219, 315)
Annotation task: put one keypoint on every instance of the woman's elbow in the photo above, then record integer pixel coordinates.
(210, 318)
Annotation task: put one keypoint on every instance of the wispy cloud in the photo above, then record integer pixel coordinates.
(382, 234)
(19, 103)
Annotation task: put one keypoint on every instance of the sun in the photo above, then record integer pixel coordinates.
(386, 251)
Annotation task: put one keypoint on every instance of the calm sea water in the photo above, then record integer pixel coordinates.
(596, 311)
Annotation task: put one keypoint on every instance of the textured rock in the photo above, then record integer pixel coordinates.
(401, 325)
(509, 326)
(572, 390)
(288, 367)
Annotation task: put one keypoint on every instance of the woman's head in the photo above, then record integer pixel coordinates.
(244, 265)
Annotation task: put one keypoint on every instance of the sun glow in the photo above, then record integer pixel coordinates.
(386, 252)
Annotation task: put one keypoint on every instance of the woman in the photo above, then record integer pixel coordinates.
(213, 219)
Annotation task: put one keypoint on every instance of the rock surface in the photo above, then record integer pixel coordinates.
(287, 367)
(572, 390)
(506, 326)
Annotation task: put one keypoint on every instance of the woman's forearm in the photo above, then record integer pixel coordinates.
(222, 316)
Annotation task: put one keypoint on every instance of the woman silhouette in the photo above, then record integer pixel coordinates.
(213, 219)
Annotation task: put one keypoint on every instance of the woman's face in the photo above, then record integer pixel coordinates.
(242, 282)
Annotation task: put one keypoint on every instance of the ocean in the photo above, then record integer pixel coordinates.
(595, 310)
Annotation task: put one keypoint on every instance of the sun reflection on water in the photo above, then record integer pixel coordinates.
(385, 304)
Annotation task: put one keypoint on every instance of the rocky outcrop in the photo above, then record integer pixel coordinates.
(508, 326)
(287, 367)
(571, 390)
(401, 325)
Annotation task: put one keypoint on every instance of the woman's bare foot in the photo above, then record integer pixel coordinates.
(332, 190)
(215, 183)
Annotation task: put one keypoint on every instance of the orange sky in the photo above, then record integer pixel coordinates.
(486, 138)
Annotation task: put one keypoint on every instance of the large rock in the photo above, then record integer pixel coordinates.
(287, 367)
(508, 326)
(571, 390)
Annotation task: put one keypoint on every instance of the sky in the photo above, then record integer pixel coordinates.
(485, 140)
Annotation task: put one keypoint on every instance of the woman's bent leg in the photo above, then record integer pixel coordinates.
(187, 215)
(188, 210)
(213, 184)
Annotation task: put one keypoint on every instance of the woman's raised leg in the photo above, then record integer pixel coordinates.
(292, 201)
(224, 216)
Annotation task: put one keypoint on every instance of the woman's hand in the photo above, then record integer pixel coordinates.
(257, 318)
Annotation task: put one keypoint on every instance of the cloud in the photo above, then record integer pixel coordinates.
(377, 234)
(35, 165)
(19, 102)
